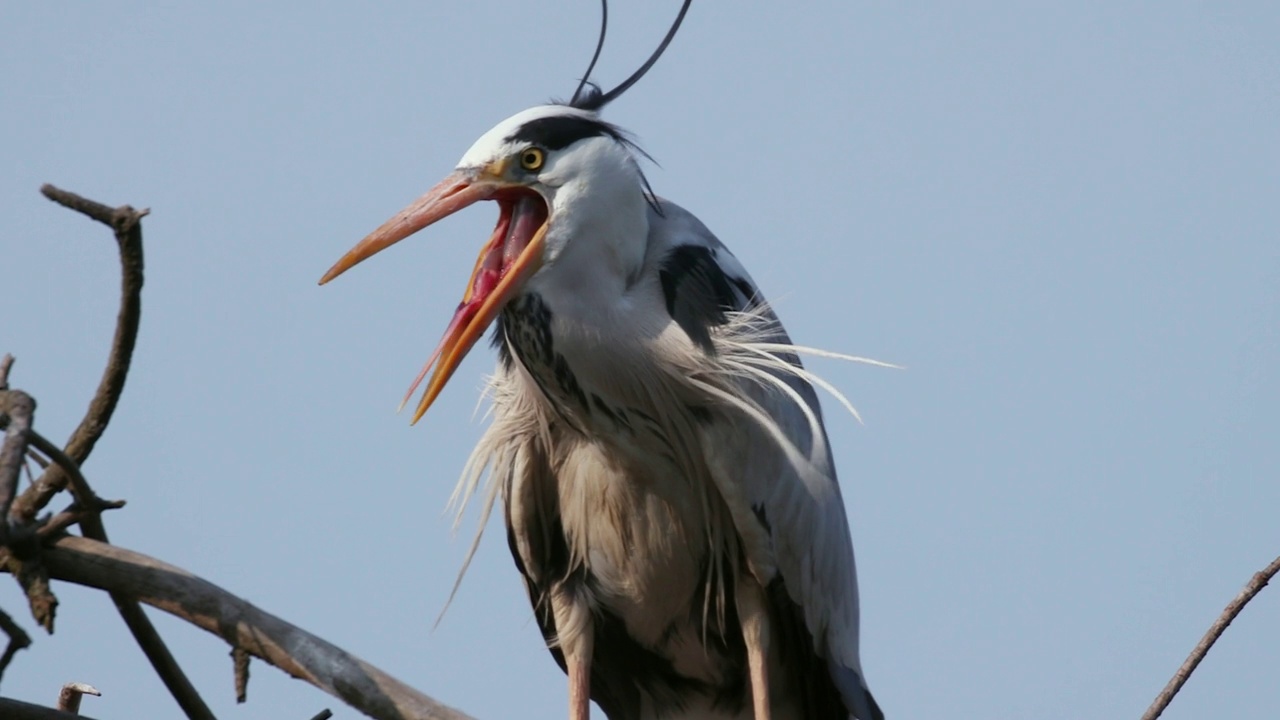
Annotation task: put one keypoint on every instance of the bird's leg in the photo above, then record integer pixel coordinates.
(575, 635)
(754, 614)
(579, 666)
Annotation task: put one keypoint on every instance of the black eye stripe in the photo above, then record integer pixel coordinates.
(560, 131)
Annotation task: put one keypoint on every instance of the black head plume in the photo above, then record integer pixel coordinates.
(592, 89)
(588, 95)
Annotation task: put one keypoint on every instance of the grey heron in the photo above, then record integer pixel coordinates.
(658, 449)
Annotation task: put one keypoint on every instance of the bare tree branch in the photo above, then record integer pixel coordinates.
(207, 606)
(166, 666)
(18, 710)
(39, 459)
(34, 581)
(1259, 581)
(73, 515)
(84, 495)
(126, 222)
(18, 639)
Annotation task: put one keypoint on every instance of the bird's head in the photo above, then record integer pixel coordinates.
(561, 176)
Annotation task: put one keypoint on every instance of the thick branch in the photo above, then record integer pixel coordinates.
(207, 606)
(166, 666)
(126, 222)
(1259, 581)
(18, 710)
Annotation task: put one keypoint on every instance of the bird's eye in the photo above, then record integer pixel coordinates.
(532, 158)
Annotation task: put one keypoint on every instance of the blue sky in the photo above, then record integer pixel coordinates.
(1062, 218)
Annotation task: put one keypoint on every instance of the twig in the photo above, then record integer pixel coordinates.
(18, 639)
(18, 710)
(240, 662)
(143, 631)
(71, 695)
(6, 363)
(126, 222)
(73, 515)
(209, 607)
(39, 459)
(324, 714)
(1259, 581)
(80, 489)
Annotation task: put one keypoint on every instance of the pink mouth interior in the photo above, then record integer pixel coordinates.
(520, 215)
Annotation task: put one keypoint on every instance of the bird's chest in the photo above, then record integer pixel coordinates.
(655, 559)
(637, 507)
(641, 539)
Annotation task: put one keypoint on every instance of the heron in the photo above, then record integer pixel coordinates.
(655, 443)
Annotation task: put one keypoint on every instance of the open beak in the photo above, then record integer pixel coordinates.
(510, 257)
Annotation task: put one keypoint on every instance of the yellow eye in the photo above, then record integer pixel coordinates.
(532, 158)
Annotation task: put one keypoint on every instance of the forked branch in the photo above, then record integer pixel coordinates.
(126, 223)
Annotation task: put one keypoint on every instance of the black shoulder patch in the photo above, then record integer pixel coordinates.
(560, 131)
(697, 291)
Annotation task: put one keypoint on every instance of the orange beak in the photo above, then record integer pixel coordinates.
(510, 257)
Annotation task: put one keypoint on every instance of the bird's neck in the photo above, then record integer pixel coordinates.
(599, 250)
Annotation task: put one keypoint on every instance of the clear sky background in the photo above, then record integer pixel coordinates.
(1061, 217)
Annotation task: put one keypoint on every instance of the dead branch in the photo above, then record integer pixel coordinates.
(18, 710)
(126, 222)
(127, 226)
(71, 695)
(1259, 581)
(239, 623)
(73, 515)
(34, 581)
(84, 495)
(166, 666)
(18, 639)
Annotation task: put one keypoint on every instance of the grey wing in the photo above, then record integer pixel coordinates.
(802, 552)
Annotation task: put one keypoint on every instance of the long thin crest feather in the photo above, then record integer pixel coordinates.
(586, 76)
(596, 101)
